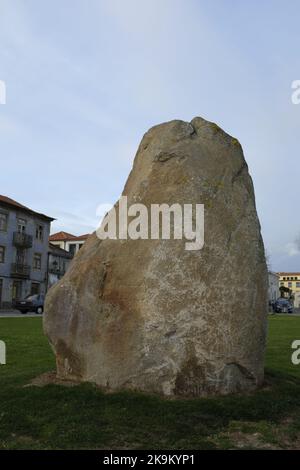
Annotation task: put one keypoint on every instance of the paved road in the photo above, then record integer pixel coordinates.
(16, 314)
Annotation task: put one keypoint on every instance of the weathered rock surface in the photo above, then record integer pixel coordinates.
(152, 316)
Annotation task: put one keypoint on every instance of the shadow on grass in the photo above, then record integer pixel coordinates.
(59, 417)
(55, 416)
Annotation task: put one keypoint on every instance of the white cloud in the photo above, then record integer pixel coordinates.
(291, 249)
(87, 79)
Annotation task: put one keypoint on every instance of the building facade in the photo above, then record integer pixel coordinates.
(273, 288)
(58, 263)
(292, 282)
(68, 242)
(24, 248)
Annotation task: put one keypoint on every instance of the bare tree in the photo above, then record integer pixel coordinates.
(268, 260)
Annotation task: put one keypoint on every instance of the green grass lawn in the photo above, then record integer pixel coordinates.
(58, 417)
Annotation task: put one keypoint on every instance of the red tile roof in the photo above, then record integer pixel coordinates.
(65, 236)
(288, 274)
(11, 203)
(61, 236)
(82, 237)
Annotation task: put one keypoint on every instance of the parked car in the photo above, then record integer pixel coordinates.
(32, 303)
(283, 306)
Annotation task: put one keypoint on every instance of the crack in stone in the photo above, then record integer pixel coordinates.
(165, 156)
(239, 172)
(243, 370)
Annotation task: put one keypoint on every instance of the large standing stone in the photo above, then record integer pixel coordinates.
(152, 316)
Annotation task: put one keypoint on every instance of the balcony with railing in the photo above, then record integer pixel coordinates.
(22, 240)
(20, 270)
(54, 268)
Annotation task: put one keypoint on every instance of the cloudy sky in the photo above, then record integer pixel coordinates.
(86, 79)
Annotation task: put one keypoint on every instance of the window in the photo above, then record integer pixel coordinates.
(20, 257)
(17, 290)
(35, 288)
(39, 232)
(3, 222)
(290, 284)
(298, 284)
(282, 283)
(37, 261)
(21, 225)
(2, 254)
(72, 248)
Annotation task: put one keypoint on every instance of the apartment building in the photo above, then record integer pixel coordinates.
(292, 281)
(58, 263)
(24, 248)
(273, 288)
(68, 242)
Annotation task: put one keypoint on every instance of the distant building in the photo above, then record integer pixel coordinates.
(58, 263)
(273, 290)
(24, 247)
(292, 281)
(68, 242)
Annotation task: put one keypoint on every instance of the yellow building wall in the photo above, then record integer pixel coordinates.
(292, 281)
